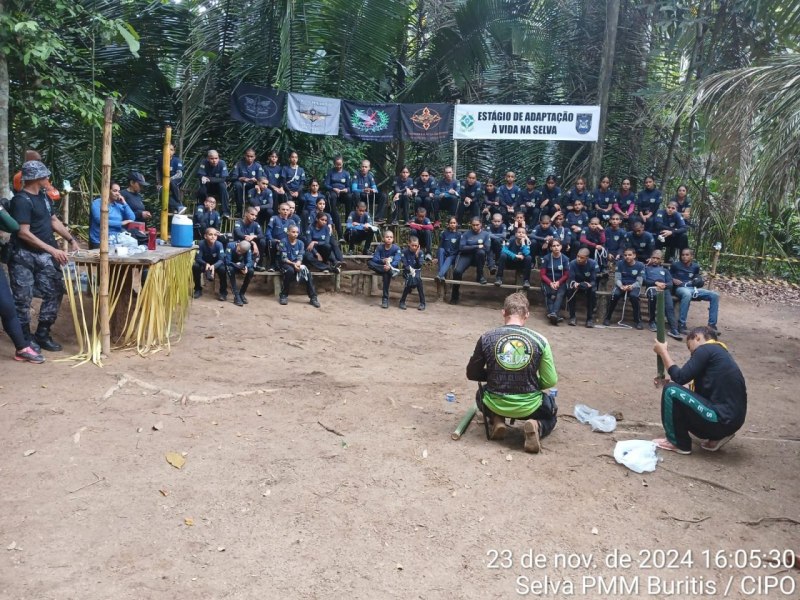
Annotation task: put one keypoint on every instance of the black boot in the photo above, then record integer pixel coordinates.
(44, 340)
(26, 331)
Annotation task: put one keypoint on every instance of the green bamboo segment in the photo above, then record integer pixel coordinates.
(464, 423)
(660, 331)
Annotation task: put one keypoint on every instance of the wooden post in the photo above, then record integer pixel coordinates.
(65, 213)
(660, 330)
(455, 153)
(66, 208)
(165, 185)
(714, 262)
(105, 189)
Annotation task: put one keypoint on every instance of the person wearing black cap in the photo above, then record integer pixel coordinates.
(36, 259)
(133, 196)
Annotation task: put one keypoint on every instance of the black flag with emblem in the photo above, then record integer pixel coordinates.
(426, 122)
(258, 105)
(370, 122)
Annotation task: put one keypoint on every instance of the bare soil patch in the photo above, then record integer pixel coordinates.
(272, 504)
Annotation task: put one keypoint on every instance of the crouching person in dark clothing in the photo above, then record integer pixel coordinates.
(517, 365)
(713, 405)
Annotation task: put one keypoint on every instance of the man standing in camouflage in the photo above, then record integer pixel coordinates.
(517, 365)
(36, 260)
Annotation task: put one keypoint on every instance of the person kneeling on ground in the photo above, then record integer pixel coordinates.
(517, 365)
(713, 406)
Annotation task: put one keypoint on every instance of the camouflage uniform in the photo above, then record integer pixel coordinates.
(35, 273)
(32, 271)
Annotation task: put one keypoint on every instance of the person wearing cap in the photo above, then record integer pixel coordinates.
(213, 174)
(51, 191)
(119, 215)
(36, 259)
(133, 196)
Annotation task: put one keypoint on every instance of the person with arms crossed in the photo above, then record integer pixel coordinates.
(213, 175)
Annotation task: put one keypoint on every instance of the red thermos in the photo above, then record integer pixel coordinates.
(151, 238)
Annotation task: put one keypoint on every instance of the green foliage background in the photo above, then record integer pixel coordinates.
(703, 92)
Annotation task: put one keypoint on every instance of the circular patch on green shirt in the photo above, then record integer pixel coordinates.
(513, 352)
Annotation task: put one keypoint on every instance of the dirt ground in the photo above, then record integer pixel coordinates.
(319, 464)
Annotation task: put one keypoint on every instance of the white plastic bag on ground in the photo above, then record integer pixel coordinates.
(638, 455)
(592, 416)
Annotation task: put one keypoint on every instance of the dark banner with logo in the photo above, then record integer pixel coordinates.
(258, 105)
(426, 122)
(370, 122)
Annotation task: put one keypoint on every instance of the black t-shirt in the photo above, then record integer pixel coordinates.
(136, 202)
(717, 378)
(35, 211)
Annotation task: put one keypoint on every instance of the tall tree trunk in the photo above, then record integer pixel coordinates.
(604, 85)
(692, 71)
(5, 187)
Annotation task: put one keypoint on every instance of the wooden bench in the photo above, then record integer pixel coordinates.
(276, 278)
(441, 286)
(604, 297)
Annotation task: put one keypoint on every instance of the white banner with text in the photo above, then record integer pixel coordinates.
(526, 122)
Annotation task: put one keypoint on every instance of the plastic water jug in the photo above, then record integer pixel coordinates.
(182, 231)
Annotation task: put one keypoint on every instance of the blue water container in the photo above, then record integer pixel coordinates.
(182, 231)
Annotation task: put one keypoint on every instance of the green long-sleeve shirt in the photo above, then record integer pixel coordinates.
(517, 364)
(7, 222)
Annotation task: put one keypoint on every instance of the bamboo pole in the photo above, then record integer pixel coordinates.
(105, 188)
(660, 331)
(714, 263)
(165, 185)
(65, 214)
(464, 423)
(455, 153)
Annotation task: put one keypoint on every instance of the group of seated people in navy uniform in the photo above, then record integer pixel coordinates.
(575, 238)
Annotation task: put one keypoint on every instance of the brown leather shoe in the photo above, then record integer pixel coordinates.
(499, 429)
(532, 444)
